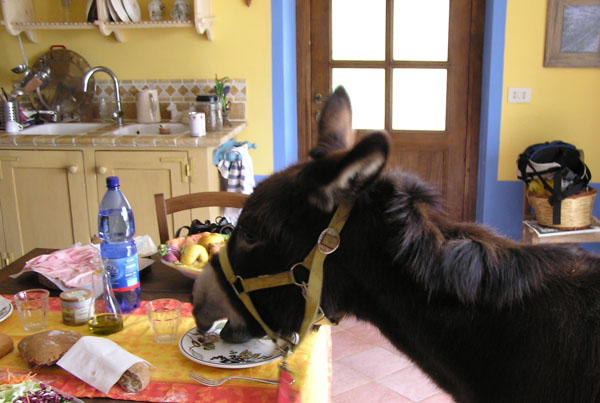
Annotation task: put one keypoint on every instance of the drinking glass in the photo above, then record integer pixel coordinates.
(32, 306)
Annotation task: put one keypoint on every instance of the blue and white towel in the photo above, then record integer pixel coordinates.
(239, 175)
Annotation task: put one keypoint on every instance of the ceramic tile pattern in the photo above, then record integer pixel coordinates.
(367, 368)
(181, 92)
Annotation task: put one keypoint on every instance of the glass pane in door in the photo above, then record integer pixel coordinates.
(421, 30)
(419, 99)
(357, 30)
(366, 89)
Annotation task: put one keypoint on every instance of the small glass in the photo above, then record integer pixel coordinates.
(32, 306)
(105, 312)
(163, 318)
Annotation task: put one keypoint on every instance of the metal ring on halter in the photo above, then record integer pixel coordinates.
(303, 284)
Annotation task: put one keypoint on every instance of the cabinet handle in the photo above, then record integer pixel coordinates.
(73, 169)
(102, 170)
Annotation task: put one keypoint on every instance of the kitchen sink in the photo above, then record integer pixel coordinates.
(63, 128)
(151, 128)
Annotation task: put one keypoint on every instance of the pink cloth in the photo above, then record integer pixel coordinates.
(73, 266)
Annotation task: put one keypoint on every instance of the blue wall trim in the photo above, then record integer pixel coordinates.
(283, 53)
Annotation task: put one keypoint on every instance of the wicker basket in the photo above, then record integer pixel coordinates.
(575, 211)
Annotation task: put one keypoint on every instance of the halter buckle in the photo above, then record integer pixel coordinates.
(329, 241)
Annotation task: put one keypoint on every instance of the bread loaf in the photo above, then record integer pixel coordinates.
(45, 348)
(6, 344)
(136, 378)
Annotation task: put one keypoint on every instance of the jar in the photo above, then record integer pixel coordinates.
(75, 306)
(213, 114)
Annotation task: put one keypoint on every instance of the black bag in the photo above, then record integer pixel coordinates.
(557, 160)
(221, 225)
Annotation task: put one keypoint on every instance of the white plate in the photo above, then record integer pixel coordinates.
(88, 8)
(133, 10)
(112, 12)
(120, 10)
(6, 308)
(188, 271)
(220, 354)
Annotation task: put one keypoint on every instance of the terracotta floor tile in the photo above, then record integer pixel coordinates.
(376, 362)
(410, 382)
(367, 332)
(345, 344)
(370, 392)
(345, 378)
(440, 398)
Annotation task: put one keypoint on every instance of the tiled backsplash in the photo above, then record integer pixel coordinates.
(180, 92)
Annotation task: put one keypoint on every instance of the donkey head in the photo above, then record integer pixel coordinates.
(280, 224)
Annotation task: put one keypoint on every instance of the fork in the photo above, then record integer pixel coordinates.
(219, 382)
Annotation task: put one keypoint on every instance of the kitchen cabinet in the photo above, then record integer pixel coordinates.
(5, 257)
(43, 200)
(19, 16)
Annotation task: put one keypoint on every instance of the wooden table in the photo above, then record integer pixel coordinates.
(312, 361)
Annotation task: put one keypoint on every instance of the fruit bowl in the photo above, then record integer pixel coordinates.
(188, 271)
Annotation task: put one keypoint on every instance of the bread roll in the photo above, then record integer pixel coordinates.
(6, 344)
(136, 378)
(45, 348)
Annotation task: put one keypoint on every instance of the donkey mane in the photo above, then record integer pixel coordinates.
(467, 260)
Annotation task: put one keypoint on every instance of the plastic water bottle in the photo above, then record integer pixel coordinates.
(119, 253)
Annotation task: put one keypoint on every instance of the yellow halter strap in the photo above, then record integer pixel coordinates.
(328, 242)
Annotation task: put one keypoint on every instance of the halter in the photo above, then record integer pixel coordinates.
(327, 243)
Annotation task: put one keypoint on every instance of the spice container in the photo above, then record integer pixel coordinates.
(75, 306)
(211, 107)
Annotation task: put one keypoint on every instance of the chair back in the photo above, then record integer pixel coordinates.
(164, 207)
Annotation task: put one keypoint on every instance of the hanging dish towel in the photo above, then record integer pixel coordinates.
(239, 175)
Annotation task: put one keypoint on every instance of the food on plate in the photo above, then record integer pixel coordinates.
(192, 250)
(193, 253)
(136, 378)
(24, 388)
(211, 238)
(6, 344)
(46, 348)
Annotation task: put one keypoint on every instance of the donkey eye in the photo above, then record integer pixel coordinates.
(248, 236)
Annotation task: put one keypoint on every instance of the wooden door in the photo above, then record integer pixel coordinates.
(42, 195)
(412, 68)
(142, 174)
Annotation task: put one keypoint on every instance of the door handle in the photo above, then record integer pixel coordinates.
(101, 170)
(318, 98)
(73, 169)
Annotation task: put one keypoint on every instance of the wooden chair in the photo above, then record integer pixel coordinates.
(165, 207)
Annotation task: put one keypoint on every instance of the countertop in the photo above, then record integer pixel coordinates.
(103, 138)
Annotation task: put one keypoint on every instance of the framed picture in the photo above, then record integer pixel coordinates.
(573, 33)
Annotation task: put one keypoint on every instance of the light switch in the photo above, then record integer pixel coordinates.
(519, 95)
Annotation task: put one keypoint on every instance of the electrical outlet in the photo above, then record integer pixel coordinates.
(519, 95)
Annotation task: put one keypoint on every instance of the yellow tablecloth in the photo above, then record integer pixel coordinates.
(170, 382)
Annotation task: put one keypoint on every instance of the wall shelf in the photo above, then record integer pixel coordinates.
(19, 16)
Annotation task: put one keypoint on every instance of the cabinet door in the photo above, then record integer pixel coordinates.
(4, 256)
(142, 174)
(43, 199)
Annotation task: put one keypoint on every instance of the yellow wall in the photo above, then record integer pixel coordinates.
(241, 49)
(565, 102)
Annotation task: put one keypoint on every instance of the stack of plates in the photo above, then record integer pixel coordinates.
(116, 10)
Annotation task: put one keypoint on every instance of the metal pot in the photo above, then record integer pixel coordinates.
(63, 90)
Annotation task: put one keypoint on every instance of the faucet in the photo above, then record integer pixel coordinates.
(118, 114)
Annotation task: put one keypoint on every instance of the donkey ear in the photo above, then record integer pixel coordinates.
(340, 177)
(335, 125)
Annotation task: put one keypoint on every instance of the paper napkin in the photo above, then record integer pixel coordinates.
(98, 362)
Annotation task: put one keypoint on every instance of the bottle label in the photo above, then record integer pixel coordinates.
(124, 273)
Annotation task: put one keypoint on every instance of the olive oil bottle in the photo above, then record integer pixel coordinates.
(105, 312)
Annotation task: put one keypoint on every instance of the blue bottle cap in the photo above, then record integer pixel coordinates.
(112, 182)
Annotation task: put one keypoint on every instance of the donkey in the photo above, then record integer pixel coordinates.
(488, 319)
